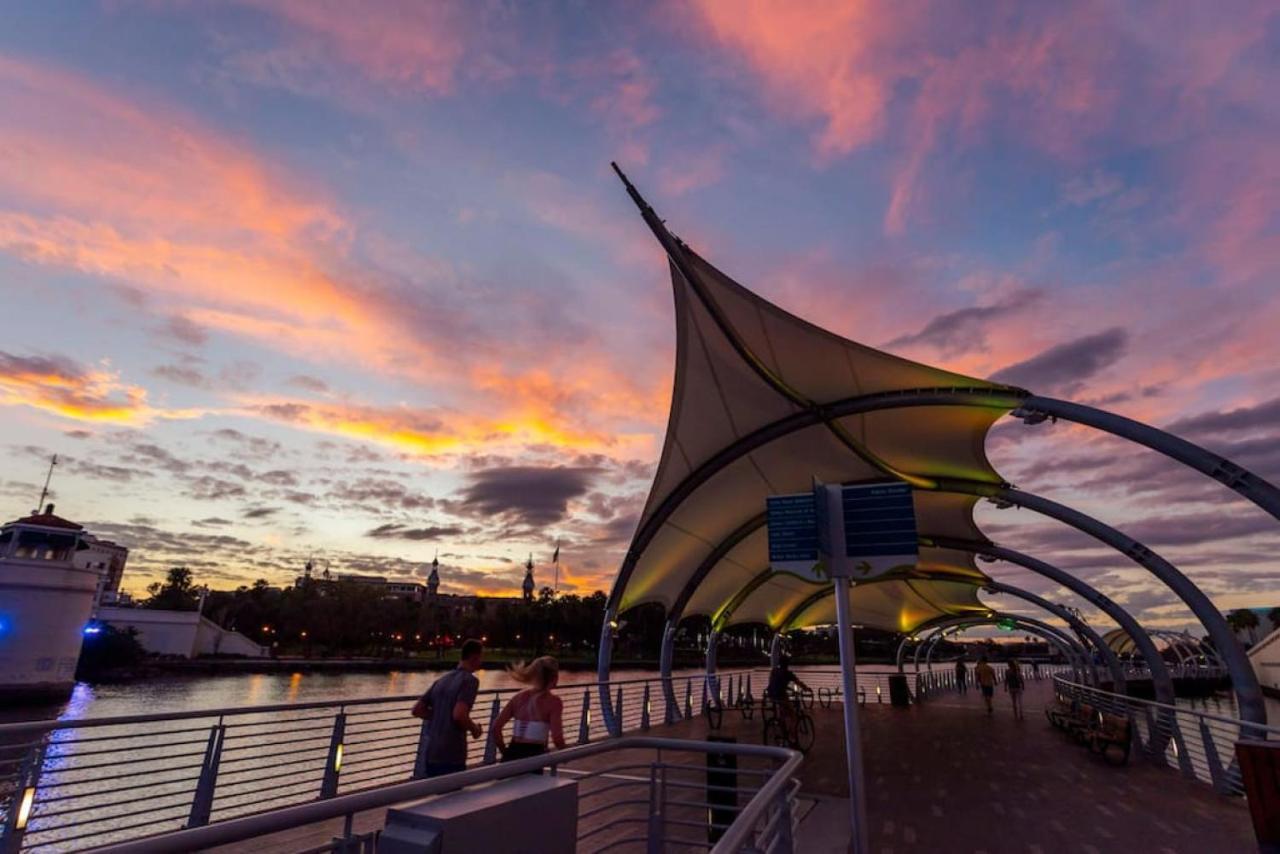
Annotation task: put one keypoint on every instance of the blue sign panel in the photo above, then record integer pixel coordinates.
(879, 521)
(793, 528)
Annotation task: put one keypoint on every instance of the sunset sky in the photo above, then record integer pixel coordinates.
(296, 278)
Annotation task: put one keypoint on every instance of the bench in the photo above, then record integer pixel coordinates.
(1112, 737)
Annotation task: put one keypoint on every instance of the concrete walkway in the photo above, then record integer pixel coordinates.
(945, 776)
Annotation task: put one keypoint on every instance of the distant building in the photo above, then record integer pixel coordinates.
(108, 560)
(391, 589)
(528, 585)
(46, 597)
(433, 580)
(185, 633)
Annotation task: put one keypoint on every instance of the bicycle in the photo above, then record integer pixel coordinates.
(796, 733)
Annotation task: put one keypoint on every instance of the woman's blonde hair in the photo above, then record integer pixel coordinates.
(540, 672)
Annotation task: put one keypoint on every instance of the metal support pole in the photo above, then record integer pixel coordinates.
(22, 801)
(491, 744)
(688, 698)
(713, 683)
(604, 661)
(644, 708)
(666, 657)
(858, 841)
(333, 763)
(584, 720)
(202, 800)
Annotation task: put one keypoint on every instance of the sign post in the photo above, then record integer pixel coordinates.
(837, 533)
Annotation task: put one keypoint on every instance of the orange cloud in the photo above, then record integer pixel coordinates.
(438, 433)
(61, 387)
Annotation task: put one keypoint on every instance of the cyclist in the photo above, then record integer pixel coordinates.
(780, 679)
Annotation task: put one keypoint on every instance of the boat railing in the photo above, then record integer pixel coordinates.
(81, 783)
(635, 793)
(1200, 744)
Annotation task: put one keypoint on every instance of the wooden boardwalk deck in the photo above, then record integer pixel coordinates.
(943, 776)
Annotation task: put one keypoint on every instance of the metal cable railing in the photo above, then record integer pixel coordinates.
(76, 784)
(635, 793)
(1200, 744)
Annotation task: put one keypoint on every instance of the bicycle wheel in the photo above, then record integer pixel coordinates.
(804, 734)
(824, 697)
(772, 732)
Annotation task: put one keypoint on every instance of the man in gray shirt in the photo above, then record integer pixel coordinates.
(446, 708)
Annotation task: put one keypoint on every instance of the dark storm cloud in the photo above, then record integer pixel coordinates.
(1264, 416)
(965, 330)
(308, 383)
(181, 375)
(527, 494)
(402, 532)
(260, 512)
(207, 488)
(1063, 368)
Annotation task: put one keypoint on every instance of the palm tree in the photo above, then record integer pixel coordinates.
(1274, 616)
(1243, 621)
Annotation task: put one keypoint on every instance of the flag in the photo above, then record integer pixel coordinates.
(555, 556)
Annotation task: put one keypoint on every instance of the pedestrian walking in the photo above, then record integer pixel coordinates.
(1014, 684)
(986, 679)
(962, 676)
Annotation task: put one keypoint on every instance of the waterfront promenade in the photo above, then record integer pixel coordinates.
(943, 776)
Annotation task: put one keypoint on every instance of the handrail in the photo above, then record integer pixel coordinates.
(248, 827)
(1271, 729)
(77, 723)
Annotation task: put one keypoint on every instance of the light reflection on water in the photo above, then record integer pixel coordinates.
(192, 693)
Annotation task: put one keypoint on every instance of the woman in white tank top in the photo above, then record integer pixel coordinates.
(535, 712)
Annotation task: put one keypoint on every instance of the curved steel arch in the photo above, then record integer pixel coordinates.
(1070, 647)
(1244, 681)
(1080, 626)
(1162, 682)
(1077, 656)
(945, 622)
(1032, 409)
(1231, 475)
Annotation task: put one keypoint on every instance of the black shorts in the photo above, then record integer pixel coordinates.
(988, 690)
(523, 750)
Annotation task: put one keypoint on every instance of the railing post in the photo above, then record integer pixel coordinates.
(617, 713)
(644, 708)
(655, 843)
(202, 800)
(491, 743)
(1211, 759)
(750, 693)
(584, 720)
(786, 843)
(704, 694)
(688, 698)
(23, 801)
(333, 764)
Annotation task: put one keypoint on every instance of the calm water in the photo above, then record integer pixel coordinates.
(191, 693)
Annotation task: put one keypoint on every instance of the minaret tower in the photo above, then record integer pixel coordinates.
(433, 580)
(528, 579)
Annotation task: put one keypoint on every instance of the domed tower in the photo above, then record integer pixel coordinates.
(433, 580)
(528, 579)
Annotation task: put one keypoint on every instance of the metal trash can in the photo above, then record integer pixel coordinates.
(722, 773)
(898, 693)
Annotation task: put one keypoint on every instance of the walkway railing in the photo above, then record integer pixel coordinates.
(930, 682)
(1200, 744)
(634, 793)
(79, 784)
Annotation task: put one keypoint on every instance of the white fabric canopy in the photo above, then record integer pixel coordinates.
(743, 368)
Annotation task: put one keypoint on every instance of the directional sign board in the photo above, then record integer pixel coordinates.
(860, 531)
(879, 528)
(793, 534)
